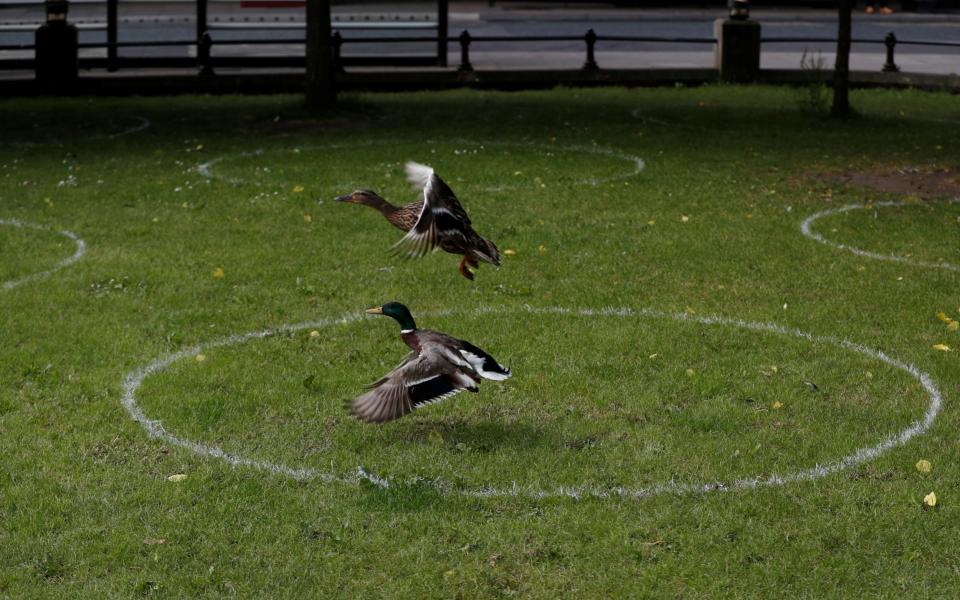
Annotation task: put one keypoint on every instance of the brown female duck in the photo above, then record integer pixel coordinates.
(435, 221)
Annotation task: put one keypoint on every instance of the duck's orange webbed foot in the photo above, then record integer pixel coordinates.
(464, 269)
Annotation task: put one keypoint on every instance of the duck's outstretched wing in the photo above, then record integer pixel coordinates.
(415, 382)
(441, 215)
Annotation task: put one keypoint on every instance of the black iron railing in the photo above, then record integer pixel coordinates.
(206, 61)
(890, 42)
(204, 26)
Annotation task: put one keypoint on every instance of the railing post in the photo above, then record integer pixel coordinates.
(112, 35)
(443, 25)
(337, 43)
(203, 54)
(201, 20)
(465, 52)
(591, 39)
(890, 42)
(321, 81)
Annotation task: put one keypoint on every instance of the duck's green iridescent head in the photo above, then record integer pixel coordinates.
(398, 312)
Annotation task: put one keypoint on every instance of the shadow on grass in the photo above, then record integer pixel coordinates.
(459, 435)
(701, 112)
(456, 436)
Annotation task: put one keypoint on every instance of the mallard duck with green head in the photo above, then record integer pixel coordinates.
(438, 366)
(435, 221)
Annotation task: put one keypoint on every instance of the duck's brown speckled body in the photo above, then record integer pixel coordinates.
(436, 221)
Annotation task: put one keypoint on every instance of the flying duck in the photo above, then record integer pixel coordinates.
(437, 367)
(436, 220)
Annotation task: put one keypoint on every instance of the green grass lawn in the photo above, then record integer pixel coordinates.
(218, 220)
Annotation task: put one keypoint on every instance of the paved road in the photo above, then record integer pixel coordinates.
(151, 21)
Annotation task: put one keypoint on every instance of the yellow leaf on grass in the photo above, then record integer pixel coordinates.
(953, 326)
(777, 405)
(542, 249)
(943, 317)
(297, 189)
(941, 347)
(307, 218)
(177, 477)
(201, 357)
(154, 541)
(690, 372)
(930, 500)
(509, 252)
(218, 273)
(314, 333)
(684, 218)
(924, 466)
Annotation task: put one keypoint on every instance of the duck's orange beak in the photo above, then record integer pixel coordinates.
(375, 311)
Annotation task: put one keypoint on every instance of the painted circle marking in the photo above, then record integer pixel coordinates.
(637, 164)
(155, 429)
(81, 249)
(807, 231)
(140, 124)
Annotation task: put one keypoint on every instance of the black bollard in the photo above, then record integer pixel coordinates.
(465, 52)
(203, 54)
(591, 39)
(890, 42)
(337, 42)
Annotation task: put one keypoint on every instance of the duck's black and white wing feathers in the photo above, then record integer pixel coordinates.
(441, 215)
(467, 356)
(417, 381)
(485, 365)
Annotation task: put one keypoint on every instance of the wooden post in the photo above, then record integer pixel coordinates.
(111, 35)
(443, 24)
(321, 93)
(841, 70)
(201, 19)
(203, 40)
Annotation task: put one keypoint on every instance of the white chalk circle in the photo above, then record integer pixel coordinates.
(638, 114)
(806, 228)
(81, 249)
(155, 428)
(138, 124)
(472, 149)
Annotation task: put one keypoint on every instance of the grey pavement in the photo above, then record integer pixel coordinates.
(152, 21)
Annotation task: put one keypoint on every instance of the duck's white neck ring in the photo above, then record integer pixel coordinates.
(406, 331)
